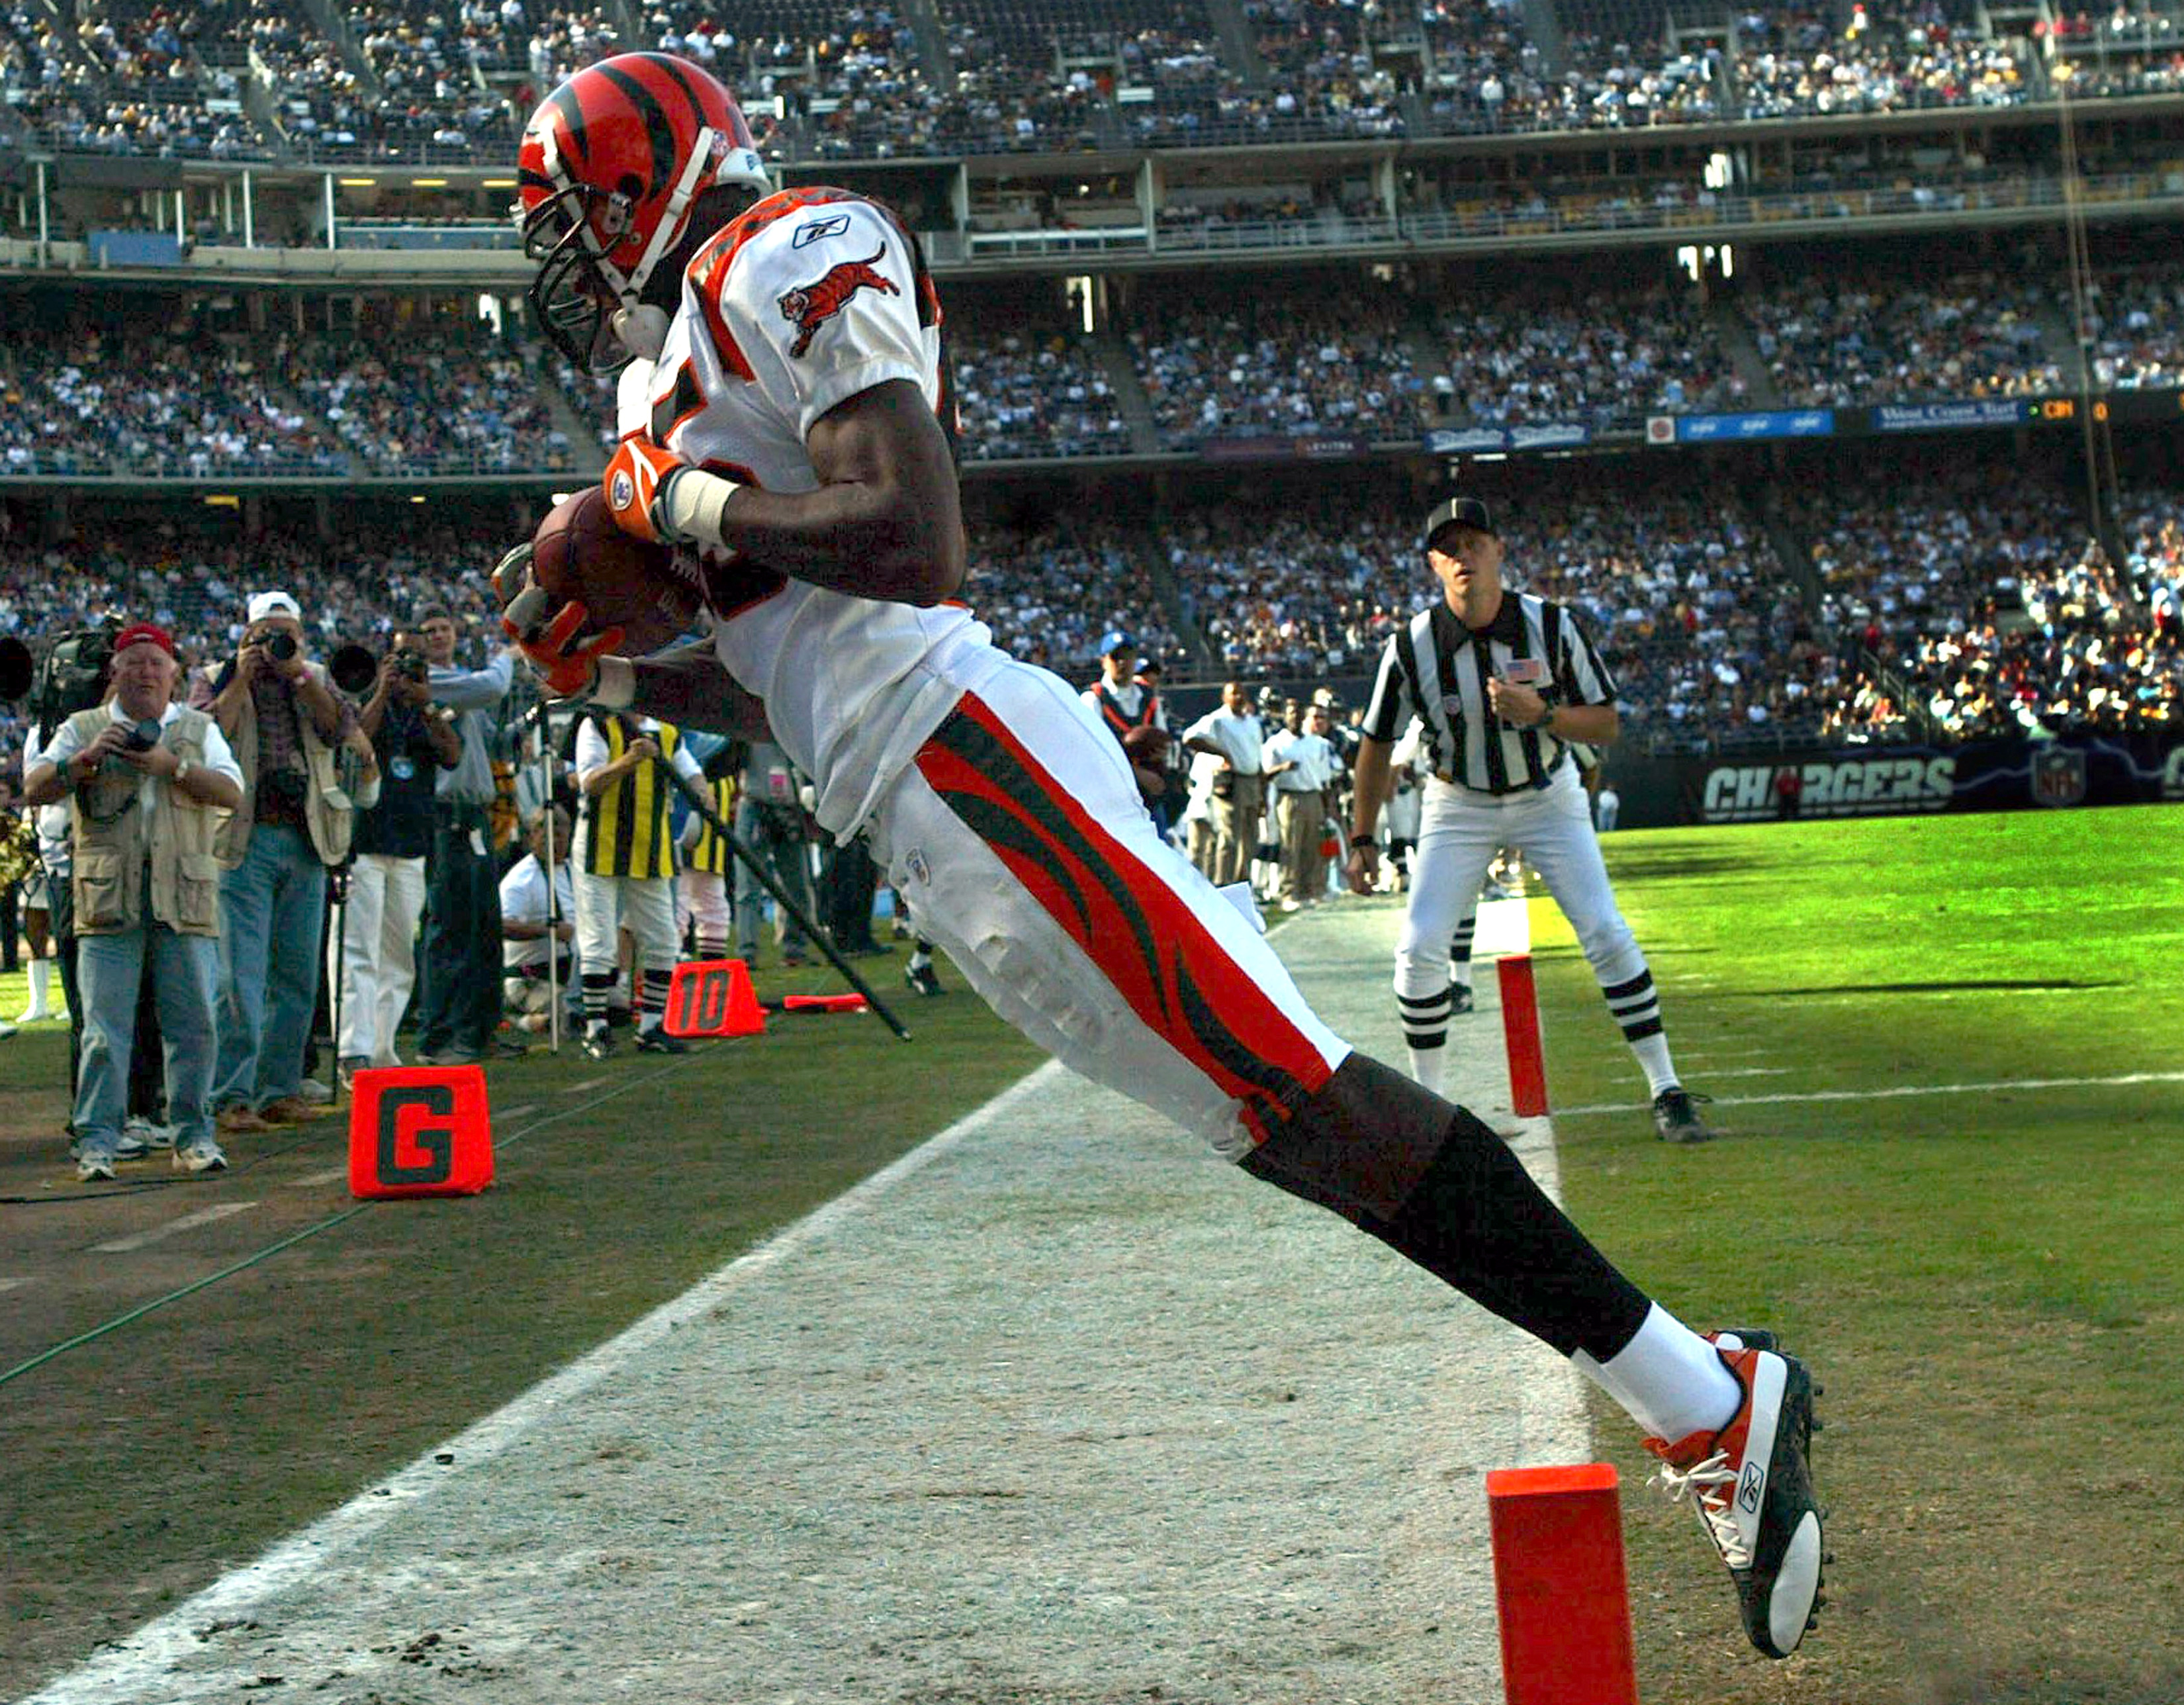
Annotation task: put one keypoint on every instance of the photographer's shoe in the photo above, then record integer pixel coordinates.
(1751, 1486)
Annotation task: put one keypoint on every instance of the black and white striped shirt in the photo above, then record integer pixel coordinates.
(1437, 669)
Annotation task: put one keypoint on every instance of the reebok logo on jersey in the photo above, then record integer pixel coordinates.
(1754, 1483)
(809, 306)
(819, 230)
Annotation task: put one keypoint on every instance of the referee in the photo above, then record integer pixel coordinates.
(1504, 682)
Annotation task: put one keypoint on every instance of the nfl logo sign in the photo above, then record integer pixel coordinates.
(2059, 777)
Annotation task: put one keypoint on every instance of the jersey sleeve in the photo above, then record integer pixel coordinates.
(591, 749)
(1390, 706)
(1579, 673)
(819, 304)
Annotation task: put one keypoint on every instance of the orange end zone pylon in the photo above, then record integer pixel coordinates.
(1520, 1031)
(1559, 1586)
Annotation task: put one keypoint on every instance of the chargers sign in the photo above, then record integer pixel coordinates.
(1846, 787)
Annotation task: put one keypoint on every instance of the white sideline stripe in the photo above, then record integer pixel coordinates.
(1912, 1089)
(589, 1083)
(15, 1284)
(1754, 1072)
(313, 1180)
(516, 1112)
(188, 1222)
(154, 1649)
(1724, 1053)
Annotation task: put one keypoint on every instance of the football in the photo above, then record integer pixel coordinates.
(1147, 746)
(579, 553)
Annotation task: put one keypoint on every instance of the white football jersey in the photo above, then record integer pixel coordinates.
(810, 297)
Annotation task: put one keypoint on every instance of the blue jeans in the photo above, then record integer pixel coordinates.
(185, 984)
(272, 914)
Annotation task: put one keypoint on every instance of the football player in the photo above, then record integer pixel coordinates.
(784, 425)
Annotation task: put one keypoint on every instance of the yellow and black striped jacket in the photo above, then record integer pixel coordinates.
(627, 828)
(709, 850)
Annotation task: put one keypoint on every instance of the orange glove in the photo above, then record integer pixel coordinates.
(635, 481)
(568, 666)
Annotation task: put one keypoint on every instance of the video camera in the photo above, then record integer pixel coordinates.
(70, 677)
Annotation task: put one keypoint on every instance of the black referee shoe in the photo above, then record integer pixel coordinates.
(1677, 1120)
(1460, 999)
(656, 1041)
(922, 980)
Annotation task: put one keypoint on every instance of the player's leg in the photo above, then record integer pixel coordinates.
(1457, 837)
(599, 929)
(1018, 836)
(649, 911)
(1459, 958)
(1559, 841)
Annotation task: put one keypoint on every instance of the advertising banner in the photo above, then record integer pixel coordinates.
(2077, 769)
(1771, 423)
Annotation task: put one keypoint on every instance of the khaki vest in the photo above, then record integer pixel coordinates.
(328, 811)
(113, 840)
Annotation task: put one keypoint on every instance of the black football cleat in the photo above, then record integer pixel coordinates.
(1677, 1120)
(1751, 1486)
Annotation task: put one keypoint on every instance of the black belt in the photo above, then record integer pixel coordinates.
(1538, 787)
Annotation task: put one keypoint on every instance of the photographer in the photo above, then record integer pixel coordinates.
(770, 821)
(376, 945)
(283, 715)
(459, 1013)
(146, 779)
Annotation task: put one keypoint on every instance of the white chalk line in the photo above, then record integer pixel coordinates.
(313, 1180)
(15, 1284)
(154, 1649)
(1899, 1091)
(188, 1222)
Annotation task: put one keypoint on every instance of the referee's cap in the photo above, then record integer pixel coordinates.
(1450, 512)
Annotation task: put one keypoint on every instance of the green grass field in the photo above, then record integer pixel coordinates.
(1989, 1282)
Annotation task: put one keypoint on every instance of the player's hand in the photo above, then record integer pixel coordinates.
(1363, 868)
(644, 746)
(636, 484)
(553, 645)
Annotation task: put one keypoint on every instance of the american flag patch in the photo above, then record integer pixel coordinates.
(1524, 671)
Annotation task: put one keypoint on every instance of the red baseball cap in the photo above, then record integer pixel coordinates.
(143, 633)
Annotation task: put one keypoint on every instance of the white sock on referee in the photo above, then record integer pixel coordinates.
(1425, 1067)
(1652, 1052)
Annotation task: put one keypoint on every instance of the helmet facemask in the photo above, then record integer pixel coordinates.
(578, 290)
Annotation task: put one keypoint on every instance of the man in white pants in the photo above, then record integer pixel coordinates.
(373, 948)
(1504, 682)
(624, 870)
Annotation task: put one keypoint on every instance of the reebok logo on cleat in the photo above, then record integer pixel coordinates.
(1754, 1487)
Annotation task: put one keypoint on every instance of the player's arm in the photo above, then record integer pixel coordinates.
(687, 687)
(886, 521)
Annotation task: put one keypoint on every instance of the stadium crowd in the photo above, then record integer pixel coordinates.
(402, 77)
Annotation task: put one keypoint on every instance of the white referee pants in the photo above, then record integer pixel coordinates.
(371, 953)
(607, 905)
(1019, 841)
(1459, 832)
(701, 899)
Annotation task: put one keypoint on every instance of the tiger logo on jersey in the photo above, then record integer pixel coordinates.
(809, 306)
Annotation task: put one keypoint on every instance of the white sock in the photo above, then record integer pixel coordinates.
(919, 959)
(1425, 1067)
(40, 971)
(1652, 1052)
(1668, 1377)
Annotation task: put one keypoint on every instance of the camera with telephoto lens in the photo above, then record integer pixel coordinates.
(144, 735)
(409, 665)
(280, 645)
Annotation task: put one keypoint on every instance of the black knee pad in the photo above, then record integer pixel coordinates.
(1362, 1144)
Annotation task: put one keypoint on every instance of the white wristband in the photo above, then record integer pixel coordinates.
(616, 688)
(691, 503)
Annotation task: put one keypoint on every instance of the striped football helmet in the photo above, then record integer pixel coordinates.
(608, 168)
